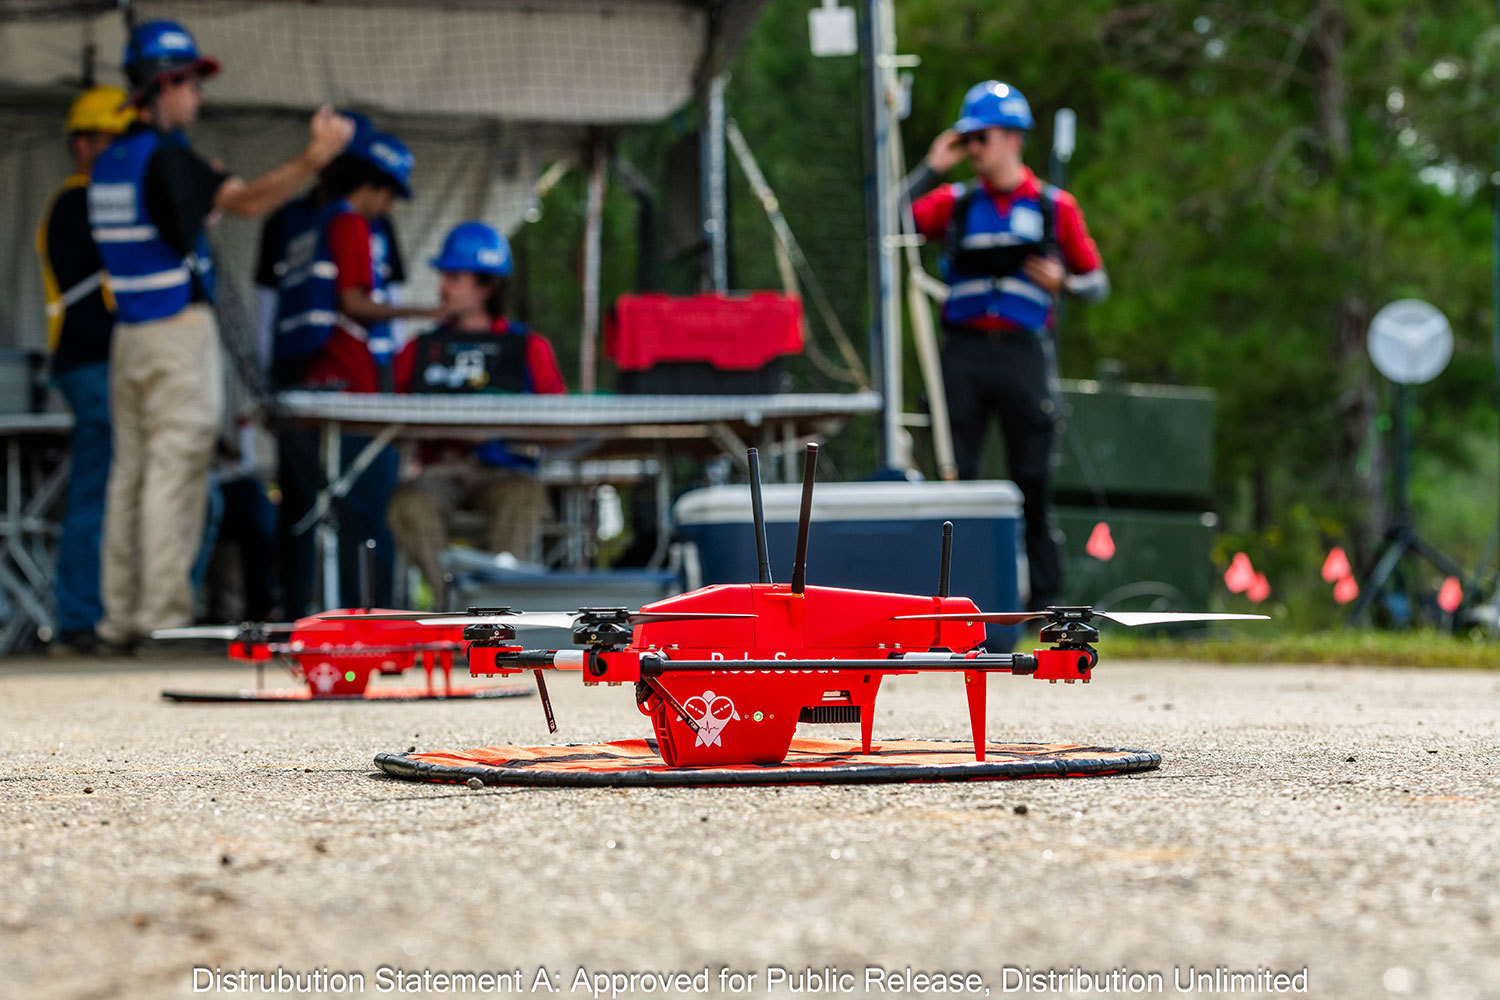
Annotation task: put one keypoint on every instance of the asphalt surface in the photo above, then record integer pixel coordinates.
(1338, 820)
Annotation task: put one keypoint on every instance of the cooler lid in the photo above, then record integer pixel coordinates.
(878, 501)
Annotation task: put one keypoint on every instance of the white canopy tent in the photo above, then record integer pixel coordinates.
(486, 92)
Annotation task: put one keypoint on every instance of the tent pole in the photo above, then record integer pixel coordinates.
(588, 354)
(885, 333)
(714, 193)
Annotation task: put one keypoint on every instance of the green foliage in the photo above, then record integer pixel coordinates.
(1336, 646)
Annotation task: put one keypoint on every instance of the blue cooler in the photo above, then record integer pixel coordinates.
(870, 536)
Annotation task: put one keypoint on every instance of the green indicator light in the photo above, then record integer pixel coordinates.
(758, 716)
(349, 676)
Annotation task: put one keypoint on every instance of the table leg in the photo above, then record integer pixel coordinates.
(328, 535)
(663, 508)
(788, 452)
(27, 532)
(28, 611)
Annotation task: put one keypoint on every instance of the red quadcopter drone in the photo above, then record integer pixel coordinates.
(726, 673)
(337, 658)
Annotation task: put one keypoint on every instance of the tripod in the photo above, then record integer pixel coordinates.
(1401, 535)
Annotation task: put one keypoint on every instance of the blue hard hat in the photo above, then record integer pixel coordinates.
(363, 127)
(158, 47)
(992, 104)
(477, 247)
(387, 154)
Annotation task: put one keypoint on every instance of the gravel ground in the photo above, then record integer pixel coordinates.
(1340, 820)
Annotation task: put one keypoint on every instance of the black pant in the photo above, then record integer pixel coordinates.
(1005, 374)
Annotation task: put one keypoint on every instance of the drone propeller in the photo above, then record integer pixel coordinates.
(1131, 618)
(246, 632)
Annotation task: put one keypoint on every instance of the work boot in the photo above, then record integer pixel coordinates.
(74, 644)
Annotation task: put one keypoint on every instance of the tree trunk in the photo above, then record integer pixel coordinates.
(1356, 402)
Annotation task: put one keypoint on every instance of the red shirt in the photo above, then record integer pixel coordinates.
(934, 211)
(544, 375)
(345, 362)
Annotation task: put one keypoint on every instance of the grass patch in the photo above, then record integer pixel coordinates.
(1336, 646)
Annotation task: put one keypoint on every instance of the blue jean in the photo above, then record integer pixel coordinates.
(79, 606)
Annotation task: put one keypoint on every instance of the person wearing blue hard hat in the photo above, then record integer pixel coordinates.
(334, 310)
(334, 332)
(294, 217)
(1012, 245)
(150, 199)
(478, 350)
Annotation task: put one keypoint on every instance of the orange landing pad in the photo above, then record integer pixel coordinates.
(629, 763)
(371, 694)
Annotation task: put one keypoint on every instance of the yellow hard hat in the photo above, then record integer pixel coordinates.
(100, 109)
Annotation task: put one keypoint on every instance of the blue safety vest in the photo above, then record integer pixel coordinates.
(452, 361)
(307, 308)
(978, 226)
(150, 279)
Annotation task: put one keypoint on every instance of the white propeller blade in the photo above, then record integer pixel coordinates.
(1134, 618)
(226, 632)
(1131, 618)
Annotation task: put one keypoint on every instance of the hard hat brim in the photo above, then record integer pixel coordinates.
(204, 66)
(966, 126)
(459, 267)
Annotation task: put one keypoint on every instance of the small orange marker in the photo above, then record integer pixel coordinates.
(1100, 545)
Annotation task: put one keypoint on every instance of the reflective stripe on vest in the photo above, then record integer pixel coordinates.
(1013, 297)
(75, 294)
(150, 279)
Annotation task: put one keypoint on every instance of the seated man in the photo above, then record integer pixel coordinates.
(478, 350)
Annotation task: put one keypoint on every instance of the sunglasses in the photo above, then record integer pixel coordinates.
(982, 138)
(177, 79)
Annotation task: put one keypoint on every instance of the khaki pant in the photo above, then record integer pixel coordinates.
(422, 512)
(166, 396)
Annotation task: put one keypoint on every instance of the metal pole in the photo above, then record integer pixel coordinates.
(885, 332)
(588, 355)
(714, 186)
(1403, 461)
(327, 530)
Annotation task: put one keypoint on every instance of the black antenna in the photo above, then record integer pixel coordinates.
(804, 520)
(758, 512)
(945, 564)
(367, 574)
